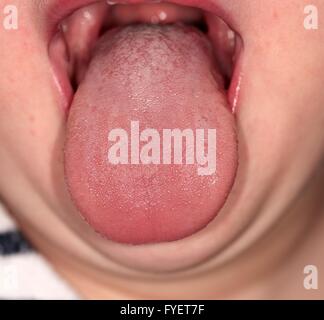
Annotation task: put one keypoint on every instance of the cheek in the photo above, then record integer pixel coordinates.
(27, 141)
(29, 121)
(280, 117)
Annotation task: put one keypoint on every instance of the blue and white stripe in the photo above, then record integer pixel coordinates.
(24, 273)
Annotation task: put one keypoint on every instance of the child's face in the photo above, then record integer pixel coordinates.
(279, 123)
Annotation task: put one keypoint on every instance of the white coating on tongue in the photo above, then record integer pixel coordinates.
(164, 78)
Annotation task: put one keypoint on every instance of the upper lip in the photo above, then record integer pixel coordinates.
(57, 10)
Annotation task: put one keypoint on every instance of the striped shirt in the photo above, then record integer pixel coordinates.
(24, 273)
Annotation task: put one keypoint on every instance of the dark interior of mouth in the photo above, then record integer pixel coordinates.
(147, 66)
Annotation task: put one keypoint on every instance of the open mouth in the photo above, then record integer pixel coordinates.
(78, 33)
(158, 65)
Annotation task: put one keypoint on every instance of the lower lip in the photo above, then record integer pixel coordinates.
(234, 91)
(63, 85)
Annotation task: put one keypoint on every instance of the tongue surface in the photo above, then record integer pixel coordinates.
(149, 77)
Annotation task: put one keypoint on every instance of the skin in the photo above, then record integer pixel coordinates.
(272, 223)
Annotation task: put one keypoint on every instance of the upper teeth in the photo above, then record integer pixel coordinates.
(113, 2)
(163, 15)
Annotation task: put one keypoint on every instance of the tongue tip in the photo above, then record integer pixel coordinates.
(136, 214)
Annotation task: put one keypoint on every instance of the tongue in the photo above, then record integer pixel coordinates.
(120, 175)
